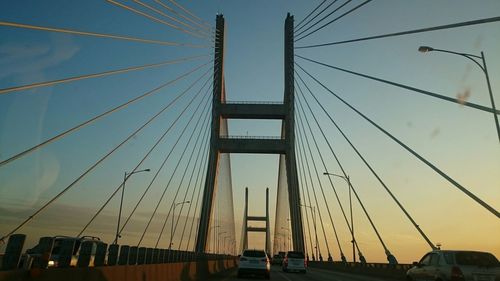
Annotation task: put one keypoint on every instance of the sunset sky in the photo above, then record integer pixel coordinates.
(459, 140)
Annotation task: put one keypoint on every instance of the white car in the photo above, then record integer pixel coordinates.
(254, 262)
(295, 261)
(451, 265)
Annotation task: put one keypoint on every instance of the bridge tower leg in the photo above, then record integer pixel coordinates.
(214, 154)
(289, 134)
(268, 229)
(244, 244)
(246, 228)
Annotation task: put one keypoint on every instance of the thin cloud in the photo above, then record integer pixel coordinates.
(19, 59)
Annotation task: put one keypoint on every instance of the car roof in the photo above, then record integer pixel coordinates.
(458, 251)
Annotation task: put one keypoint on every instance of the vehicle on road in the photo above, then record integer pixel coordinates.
(254, 262)
(450, 265)
(294, 261)
(278, 258)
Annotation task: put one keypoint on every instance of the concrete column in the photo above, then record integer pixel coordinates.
(245, 222)
(161, 253)
(149, 255)
(100, 254)
(268, 229)
(290, 159)
(65, 252)
(124, 252)
(13, 251)
(213, 159)
(85, 253)
(156, 253)
(43, 251)
(132, 255)
(113, 254)
(141, 256)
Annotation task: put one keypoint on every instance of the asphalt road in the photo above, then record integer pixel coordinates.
(313, 274)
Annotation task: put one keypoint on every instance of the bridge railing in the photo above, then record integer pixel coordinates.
(253, 102)
(71, 252)
(250, 137)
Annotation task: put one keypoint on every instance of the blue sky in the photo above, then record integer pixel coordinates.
(459, 140)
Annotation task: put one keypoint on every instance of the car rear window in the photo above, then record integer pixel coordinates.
(254, 254)
(296, 255)
(448, 257)
(476, 258)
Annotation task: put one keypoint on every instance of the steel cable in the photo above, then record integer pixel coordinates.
(434, 28)
(95, 118)
(338, 162)
(101, 35)
(366, 163)
(303, 144)
(92, 167)
(95, 75)
(334, 20)
(322, 19)
(202, 32)
(173, 173)
(301, 124)
(454, 100)
(308, 15)
(317, 15)
(121, 5)
(203, 135)
(407, 148)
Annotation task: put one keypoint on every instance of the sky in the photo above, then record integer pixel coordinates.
(459, 140)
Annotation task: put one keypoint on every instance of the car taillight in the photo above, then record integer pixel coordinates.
(456, 274)
(243, 259)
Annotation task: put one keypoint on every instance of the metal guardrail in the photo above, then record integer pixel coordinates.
(383, 270)
(251, 137)
(253, 102)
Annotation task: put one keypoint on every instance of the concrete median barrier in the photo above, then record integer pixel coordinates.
(182, 271)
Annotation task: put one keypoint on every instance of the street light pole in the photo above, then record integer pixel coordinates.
(313, 209)
(173, 220)
(125, 178)
(482, 66)
(353, 241)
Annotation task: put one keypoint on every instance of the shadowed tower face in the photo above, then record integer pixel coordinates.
(221, 144)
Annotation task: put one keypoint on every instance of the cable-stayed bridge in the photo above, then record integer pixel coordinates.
(185, 212)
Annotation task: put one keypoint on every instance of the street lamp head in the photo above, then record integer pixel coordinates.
(325, 173)
(425, 49)
(147, 170)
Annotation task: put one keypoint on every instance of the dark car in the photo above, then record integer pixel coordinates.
(295, 261)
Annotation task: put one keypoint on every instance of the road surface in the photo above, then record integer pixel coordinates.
(313, 274)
